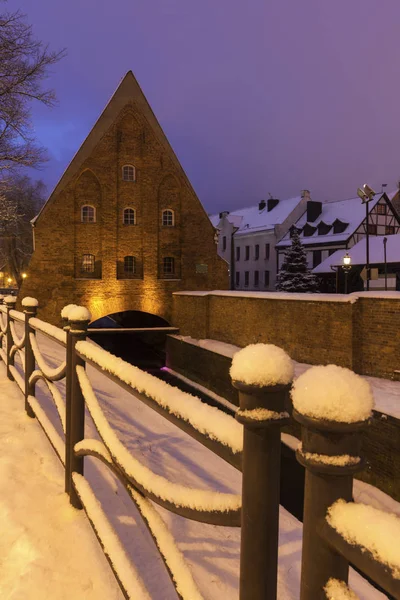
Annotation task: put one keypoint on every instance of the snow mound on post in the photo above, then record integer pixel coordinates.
(65, 311)
(28, 301)
(79, 313)
(262, 365)
(372, 529)
(11, 299)
(333, 393)
(338, 590)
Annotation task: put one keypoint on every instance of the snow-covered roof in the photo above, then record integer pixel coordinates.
(350, 212)
(358, 253)
(251, 219)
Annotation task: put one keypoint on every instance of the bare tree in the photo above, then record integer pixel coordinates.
(24, 63)
(19, 204)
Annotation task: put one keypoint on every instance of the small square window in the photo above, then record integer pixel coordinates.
(168, 265)
(372, 229)
(128, 173)
(168, 218)
(88, 214)
(129, 216)
(256, 279)
(88, 263)
(389, 230)
(381, 209)
(129, 264)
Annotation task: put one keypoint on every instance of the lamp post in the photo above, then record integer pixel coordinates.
(384, 258)
(346, 268)
(366, 194)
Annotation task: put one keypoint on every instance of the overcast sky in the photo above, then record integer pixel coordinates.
(255, 96)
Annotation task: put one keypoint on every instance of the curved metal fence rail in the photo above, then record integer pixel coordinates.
(249, 443)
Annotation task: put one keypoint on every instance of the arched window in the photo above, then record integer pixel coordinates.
(88, 263)
(129, 216)
(88, 214)
(168, 265)
(128, 173)
(168, 218)
(129, 264)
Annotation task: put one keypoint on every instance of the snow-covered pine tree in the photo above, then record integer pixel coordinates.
(294, 274)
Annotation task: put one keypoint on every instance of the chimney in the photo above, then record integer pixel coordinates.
(314, 210)
(272, 202)
(262, 205)
(223, 214)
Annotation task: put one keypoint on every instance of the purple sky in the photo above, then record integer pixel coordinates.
(255, 96)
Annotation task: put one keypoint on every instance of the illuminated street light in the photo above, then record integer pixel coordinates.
(24, 275)
(346, 268)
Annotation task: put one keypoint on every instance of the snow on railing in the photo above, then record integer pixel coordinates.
(208, 420)
(53, 374)
(51, 331)
(158, 486)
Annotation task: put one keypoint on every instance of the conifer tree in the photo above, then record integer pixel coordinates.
(294, 274)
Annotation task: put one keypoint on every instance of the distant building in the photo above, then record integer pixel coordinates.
(381, 262)
(123, 228)
(247, 238)
(327, 227)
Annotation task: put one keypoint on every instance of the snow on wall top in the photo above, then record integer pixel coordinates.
(358, 253)
(350, 211)
(262, 365)
(333, 393)
(305, 297)
(338, 590)
(252, 219)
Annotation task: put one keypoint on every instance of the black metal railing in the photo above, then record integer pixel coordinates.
(249, 443)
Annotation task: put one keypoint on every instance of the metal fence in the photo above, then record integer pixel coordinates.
(326, 554)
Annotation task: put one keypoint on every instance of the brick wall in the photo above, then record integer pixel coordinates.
(355, 332)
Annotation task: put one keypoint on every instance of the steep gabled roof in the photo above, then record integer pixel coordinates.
(128, 90)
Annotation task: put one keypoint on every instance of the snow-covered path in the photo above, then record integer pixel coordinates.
(47, 549)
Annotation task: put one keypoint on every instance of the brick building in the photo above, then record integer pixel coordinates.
(123, 228)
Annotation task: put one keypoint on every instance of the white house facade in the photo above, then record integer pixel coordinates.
(247, 239)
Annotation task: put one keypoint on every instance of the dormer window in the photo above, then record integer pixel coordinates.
(128, 173)
(88, 214)
(129, 216)
(309, 230)
(168, 219)
(339, 226)
(324, 228)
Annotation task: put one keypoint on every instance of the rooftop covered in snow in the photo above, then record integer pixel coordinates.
(263, 216)
(336, 222)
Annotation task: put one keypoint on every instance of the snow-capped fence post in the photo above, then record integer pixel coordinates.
(333, 405)
(68, 379)
(30, 306)
(263, 375)
(10, 303)
(78, 321)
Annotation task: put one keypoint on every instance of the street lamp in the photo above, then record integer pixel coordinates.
(366, 194)
(24, 275)
(9, 280)
(346, 268)
(385, 259)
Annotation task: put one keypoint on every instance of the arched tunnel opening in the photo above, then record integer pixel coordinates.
(135, 336)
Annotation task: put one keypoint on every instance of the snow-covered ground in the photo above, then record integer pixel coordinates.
(40, 556)
(386, 392)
